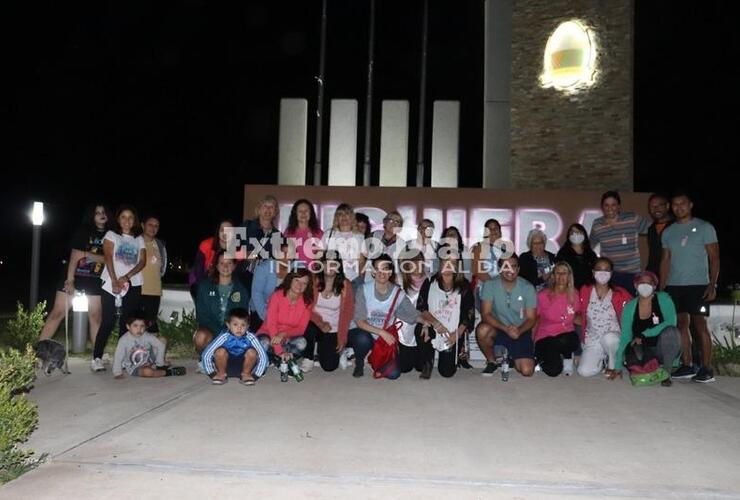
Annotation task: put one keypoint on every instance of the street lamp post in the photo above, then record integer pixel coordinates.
(37, 218)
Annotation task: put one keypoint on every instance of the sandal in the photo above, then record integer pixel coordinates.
(248, 381)
(219, 381)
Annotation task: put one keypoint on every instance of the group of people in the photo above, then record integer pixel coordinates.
(306, 296)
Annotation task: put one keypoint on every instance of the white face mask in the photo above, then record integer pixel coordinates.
(576, 238)
(602, 277)
(645, 290)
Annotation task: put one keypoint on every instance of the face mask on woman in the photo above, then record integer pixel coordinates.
(602, 277)
(645, 290)
(576, 238)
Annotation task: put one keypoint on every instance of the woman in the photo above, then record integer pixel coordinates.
(536, 264)
(286, 320)
(82, 272)
(486, 253)
(268, 275)
(217, 294)
(555, 339)
(577, 252)
(446, 301)
(156, 267)
(331, 315)
(303, 228)
(363, 225)
(452, 239)
(376, 302)
(649, 321)
(413, 278)
(601, 305)
(343, 241)
(204, 257)
(125, 257)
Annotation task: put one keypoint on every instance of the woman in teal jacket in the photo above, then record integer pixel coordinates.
(649, 320)
(217, 294)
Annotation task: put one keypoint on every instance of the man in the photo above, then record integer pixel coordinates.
(508, 313)
(617, 233)
(387, 241)
(660, 211)
(426, 246)
(689, 270)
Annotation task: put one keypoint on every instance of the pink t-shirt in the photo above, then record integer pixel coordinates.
(284, 317)
(556, 314)
(306, 239)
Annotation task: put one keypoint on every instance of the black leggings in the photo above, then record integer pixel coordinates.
(424, 353)
(327, 347)
(131, 302)
(551, 351)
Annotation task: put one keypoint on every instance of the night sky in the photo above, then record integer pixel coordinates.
(113, 101)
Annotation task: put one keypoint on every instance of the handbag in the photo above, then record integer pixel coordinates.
(383, 357)
(643, 366)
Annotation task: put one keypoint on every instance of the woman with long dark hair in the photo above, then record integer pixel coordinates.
(303, 228)
(125, 256)
(577, 252)
(331, 315)
(82, 272)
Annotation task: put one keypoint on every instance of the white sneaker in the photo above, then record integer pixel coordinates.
(96, 365)
(567, 367)
(306, 365)
(344, 358)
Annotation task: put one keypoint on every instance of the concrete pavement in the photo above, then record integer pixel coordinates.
(333, 436)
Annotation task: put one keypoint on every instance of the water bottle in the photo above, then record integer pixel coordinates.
(119, 303)
(283, 371)
(295, 370)
(505, 368)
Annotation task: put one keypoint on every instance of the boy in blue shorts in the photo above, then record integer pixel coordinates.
(234, 352)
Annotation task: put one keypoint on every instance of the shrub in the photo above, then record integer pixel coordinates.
(18, 416)
(26, 327)
(179, 331)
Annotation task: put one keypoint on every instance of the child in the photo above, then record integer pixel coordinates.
(141, 354)
(234, 350)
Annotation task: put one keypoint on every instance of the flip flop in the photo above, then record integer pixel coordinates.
(218, 381)
(247, 381)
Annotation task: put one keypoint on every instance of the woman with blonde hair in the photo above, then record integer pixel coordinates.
(344, 241)
(555, 339)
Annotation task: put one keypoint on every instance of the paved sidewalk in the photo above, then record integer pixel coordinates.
(333, 436)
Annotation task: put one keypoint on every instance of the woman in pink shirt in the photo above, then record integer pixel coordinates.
(303, 228)
(288, 313)
(555, 338)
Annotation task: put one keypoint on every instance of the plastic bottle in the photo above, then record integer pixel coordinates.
(283, 371)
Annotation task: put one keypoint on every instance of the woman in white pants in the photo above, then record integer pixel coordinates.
(602, 304)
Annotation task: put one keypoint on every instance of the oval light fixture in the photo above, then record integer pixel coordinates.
(570, 58)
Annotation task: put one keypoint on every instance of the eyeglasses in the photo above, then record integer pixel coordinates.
(392, 219)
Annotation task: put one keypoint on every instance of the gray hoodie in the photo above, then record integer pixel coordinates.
(128, 344)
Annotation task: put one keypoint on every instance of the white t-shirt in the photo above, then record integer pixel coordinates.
(349, 246)
(329, 309)
(126, 253)
(445, 306)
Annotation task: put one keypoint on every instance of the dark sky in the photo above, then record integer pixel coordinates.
(114, 100)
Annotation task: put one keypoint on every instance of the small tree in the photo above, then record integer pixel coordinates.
(25, 328)
(18, 416)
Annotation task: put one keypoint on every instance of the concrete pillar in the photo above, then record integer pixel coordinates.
(343, 142)
(292, 142)
(394, 143)
(445, 143)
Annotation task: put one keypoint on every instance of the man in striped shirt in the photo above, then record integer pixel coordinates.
(617, 233)
(235, 351)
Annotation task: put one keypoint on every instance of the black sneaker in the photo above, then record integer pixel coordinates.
(704, 375)
(489, 370)
(175, 371)
(684, 371)
(359, 371)
(426, 371)
(463, 363)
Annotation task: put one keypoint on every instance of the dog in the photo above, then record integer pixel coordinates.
(52, 356)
